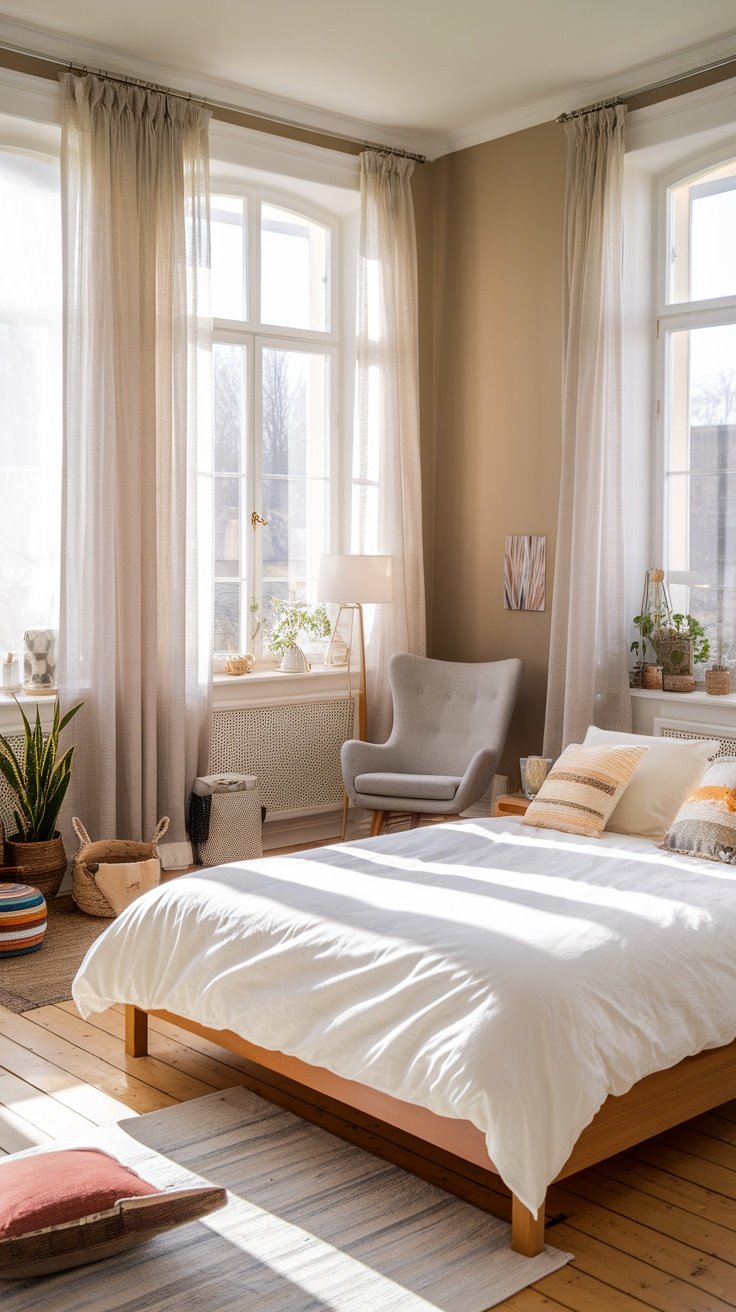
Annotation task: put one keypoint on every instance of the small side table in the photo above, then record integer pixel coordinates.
(511, 804)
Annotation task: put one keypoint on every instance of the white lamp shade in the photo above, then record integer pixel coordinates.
(355, 578)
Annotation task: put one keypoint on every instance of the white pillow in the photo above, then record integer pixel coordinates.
(667, 772)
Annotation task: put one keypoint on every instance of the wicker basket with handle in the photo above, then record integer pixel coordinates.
(109, 851)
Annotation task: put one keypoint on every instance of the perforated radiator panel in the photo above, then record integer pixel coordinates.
(726, 737)
(7, 798)
(293, 750)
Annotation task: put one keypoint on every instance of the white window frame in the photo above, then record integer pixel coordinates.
(674, 316)
(255, 336)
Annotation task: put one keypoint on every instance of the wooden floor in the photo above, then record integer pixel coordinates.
(652, 1228)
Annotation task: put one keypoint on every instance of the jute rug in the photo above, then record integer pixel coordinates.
(313, 1225)
(45, 977)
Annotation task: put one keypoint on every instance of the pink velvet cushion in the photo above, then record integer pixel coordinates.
(51, 1188)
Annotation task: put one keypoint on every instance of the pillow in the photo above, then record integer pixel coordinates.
(705, 824)
(582, 789)
(65, 1208)
(661, 782)
(121, 882)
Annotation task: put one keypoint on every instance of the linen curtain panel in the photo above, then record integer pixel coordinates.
(588, 665)
(387, 419)
(136, 550)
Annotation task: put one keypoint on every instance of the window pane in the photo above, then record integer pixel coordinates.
(229, 402)
(227, 617)
(294, 265)
(703, 224)
(30, 387)
(701, 483)
(295, 418)
(228, 230)
(297, 511)
(227, 527)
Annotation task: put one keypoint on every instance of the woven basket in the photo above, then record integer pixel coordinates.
(42, 865)
(110, 851)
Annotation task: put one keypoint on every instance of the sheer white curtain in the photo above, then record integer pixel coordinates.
(588, 663)
(135, 606)
(387, 504)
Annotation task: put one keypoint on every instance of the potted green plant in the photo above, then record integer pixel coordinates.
(39, 778)
(293, 618)
(681, 644)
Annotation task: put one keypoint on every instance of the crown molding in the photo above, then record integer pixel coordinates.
(545, 111)
(63, 47)
(41, 41)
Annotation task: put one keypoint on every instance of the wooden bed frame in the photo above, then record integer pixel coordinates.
(657, 1103)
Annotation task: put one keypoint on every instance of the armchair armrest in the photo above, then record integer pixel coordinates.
(364, 758)
(477, 777)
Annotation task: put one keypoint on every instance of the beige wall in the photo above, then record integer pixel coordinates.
(498, 221)
(422, 186)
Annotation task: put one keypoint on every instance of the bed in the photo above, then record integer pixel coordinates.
(528, 1001)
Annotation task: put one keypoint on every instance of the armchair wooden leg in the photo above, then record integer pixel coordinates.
(377, 823)
(345, 808)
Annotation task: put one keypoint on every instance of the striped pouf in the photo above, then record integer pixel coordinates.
(22, 920)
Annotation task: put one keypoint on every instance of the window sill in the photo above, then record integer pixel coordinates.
(10, 721)
(699, 696)
(269, 686)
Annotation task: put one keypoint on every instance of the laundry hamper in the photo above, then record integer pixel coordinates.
(107, 852)
(225, 818)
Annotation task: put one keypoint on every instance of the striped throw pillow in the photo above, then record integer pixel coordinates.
(582, 789)
(705, 824)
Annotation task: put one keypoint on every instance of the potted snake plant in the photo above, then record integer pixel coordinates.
(39, 777)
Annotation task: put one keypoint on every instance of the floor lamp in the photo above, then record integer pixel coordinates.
(352, 582)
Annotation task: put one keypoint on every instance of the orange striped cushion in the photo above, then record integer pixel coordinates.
(705, 824)
(582, 789)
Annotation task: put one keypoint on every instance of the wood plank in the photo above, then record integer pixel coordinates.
(148, 1069)
(716, 1125)
(588, 1209)
(702, 1145)
(634, 1275)
(654, 1182)
(532, 1299)
(17, 1134)
(129, 1090)
(583, 1293)
(96, 1105)
(686, 1165)
(50, 1116)
(178, 1055)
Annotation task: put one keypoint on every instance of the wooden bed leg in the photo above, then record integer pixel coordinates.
(136, 1031)
(527, 1235)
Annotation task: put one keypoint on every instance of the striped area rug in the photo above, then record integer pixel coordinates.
(313, 1225)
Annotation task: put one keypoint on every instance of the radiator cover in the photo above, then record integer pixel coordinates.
(293, 749)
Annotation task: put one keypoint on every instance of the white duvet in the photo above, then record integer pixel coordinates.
(510, 977)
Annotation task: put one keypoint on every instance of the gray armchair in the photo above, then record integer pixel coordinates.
(450, 724)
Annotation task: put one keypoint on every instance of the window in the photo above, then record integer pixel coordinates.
(30, 387)
(697, 406)
(275, 370)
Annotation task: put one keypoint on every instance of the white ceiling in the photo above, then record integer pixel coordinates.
(428, 74)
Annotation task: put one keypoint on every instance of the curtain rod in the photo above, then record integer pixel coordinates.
(205, 101)
(653, 86)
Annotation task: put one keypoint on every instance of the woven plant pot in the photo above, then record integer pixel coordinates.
(718, 682)
(43, 865)
(108, 851)
(294, 661)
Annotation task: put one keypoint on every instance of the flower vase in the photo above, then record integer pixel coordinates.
(294, 661)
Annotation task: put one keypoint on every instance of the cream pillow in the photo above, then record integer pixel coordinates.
(582, 788)
(670, 768)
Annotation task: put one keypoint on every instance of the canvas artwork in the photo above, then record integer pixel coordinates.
(523, 573)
